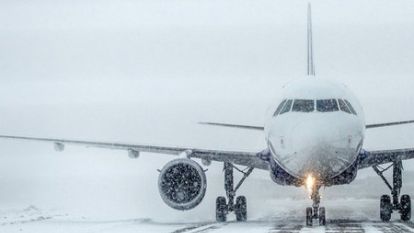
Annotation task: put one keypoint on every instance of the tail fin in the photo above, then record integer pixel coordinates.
(311, 65)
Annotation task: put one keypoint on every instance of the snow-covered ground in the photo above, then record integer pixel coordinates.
(349, 216)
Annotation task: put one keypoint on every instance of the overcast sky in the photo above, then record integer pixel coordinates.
(178, 55)
(121, 51)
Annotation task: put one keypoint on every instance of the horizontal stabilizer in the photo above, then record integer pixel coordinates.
(369, 126)
(388, 124)
(233, 125)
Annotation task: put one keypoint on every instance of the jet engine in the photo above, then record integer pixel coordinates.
(182, 184)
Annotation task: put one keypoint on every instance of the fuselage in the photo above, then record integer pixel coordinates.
(316, 128)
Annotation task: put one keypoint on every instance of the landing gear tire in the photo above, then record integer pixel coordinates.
(221, 209)
(309, 217)
(232, 204)
(241, 209)
(385, 208)
(405, 208)
(322, 216)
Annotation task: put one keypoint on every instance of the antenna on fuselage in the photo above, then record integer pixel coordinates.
(311, 65)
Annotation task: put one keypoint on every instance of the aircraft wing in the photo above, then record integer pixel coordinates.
(250, 159)
(373, 158)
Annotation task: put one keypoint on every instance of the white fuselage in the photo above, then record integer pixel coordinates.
(322, 140)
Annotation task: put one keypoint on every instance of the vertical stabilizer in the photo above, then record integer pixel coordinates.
(311, 65)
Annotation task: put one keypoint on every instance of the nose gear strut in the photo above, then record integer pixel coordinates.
(315, 212)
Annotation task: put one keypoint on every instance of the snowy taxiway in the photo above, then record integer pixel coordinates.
(32, 219)
(69, 225)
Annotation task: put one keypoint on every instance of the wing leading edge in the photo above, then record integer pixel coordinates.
(250, 159)
(374, 158)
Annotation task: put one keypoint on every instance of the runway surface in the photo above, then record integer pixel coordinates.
(30, 221)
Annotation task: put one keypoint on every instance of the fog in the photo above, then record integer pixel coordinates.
(148, 71)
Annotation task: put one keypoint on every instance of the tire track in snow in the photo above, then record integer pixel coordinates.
(284, 228)
(409, 225)
(393, 227)
(334, 226)
(341, 226)
(204, 227)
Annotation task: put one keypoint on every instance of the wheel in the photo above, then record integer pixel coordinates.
(221, 209)
(405, 207)
(309, 217)
(385, 208)
(241, 209)
(322, 217)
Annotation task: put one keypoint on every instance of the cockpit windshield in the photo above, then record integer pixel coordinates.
(308, 105)
(343, 106)
(279, 108)
(302, 105)
(287, 107)
(350, 107)
(327, 105)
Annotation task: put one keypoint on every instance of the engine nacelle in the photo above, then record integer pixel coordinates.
(281, 177)
(182, 184)
(345, 177)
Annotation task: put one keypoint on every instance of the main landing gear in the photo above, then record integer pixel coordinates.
(401, 204)
(315, 212)
(223, 206)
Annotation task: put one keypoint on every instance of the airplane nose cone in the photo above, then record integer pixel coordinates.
(320, 149)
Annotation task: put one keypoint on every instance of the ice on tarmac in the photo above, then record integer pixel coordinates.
(32, 219)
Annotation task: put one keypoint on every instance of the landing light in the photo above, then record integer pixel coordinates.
(310, 183)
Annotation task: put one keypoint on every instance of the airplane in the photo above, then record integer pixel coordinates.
(314, 138)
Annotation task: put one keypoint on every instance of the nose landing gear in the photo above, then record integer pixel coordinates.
(403, 204)
(315, 212)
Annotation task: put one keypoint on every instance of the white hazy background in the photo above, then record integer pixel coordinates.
(148, 71)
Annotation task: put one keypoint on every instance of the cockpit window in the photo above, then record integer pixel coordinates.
(343, 106)
(350, 107)
(301, 105)
(279, 107)
(327, 105)
(287, 106)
